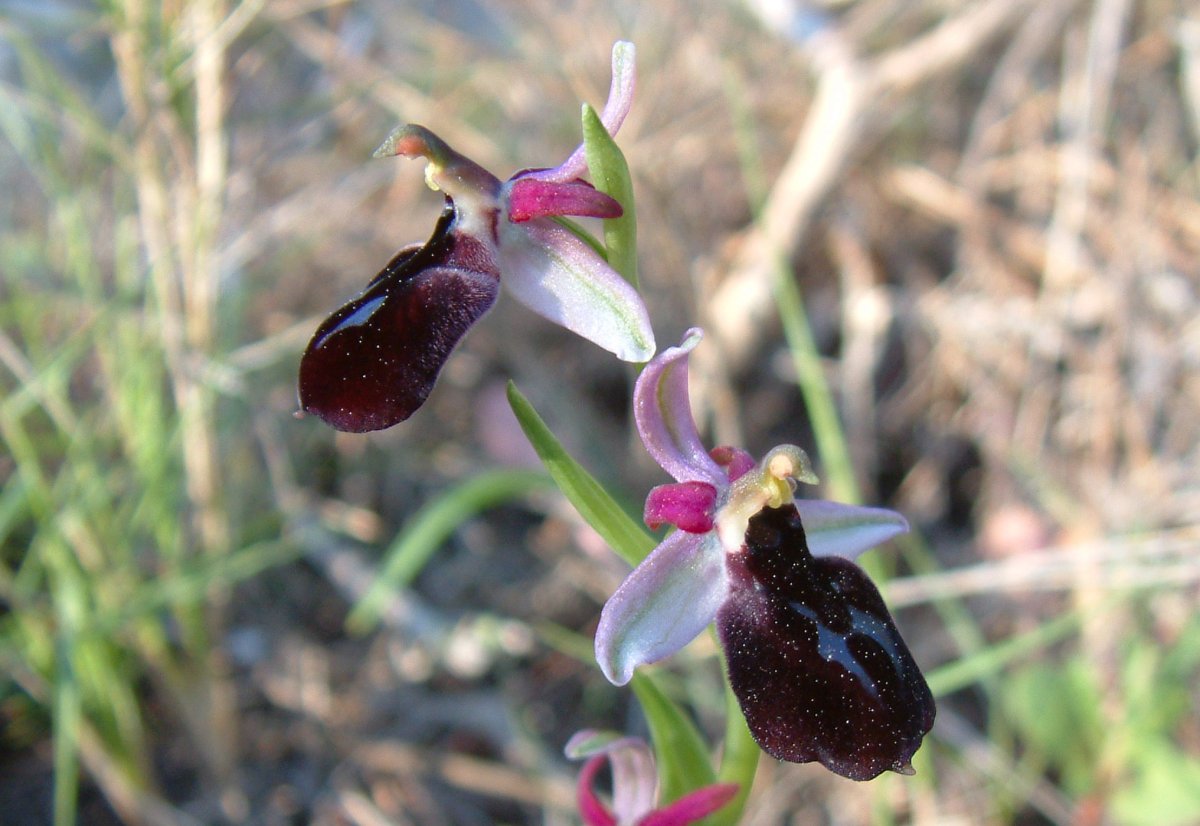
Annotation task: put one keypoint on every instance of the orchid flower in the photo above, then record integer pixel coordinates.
(814, 658)
(373, 362)
(635, 782)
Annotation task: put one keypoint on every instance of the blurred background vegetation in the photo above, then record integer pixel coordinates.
(989, 219)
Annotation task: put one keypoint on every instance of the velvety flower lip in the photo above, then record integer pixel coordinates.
(806, 635)
(815, 659)
(635, 785)
(374, 361)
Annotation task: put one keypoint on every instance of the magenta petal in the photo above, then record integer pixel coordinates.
(664, 416)
(689, 506)
(373, 362)
(693, 806)
(529, 198)
(590, 807)
(662, 605)
(814, 658)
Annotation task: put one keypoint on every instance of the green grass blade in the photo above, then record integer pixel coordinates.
(430, 528)
(594, 503)
(192, 583)
(566, 642)
(68, 713)
(977, 666)
(68, 698)
(838, 469)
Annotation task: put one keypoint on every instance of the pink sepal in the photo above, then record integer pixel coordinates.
(620, 98)
(663, 413)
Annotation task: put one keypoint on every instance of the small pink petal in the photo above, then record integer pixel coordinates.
(692, 807)
(530, 198)
(689, 506)
(737, 462)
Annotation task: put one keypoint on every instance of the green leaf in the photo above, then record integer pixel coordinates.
(610, 175)
(431, 526)
(1165, 790)
(679, 750)
(594, 503)
(1056, 708)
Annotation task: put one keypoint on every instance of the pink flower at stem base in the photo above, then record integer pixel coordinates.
(635, 784)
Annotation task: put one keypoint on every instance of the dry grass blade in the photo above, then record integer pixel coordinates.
(468, 773)
(854, 96)
(1165, 558)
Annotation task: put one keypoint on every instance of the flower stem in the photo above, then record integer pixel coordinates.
(739, 762)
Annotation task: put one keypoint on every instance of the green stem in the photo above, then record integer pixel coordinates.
(739, 762)
(679, 749)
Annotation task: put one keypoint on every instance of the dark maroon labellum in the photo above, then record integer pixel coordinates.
(373, 362)
(815, 659)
